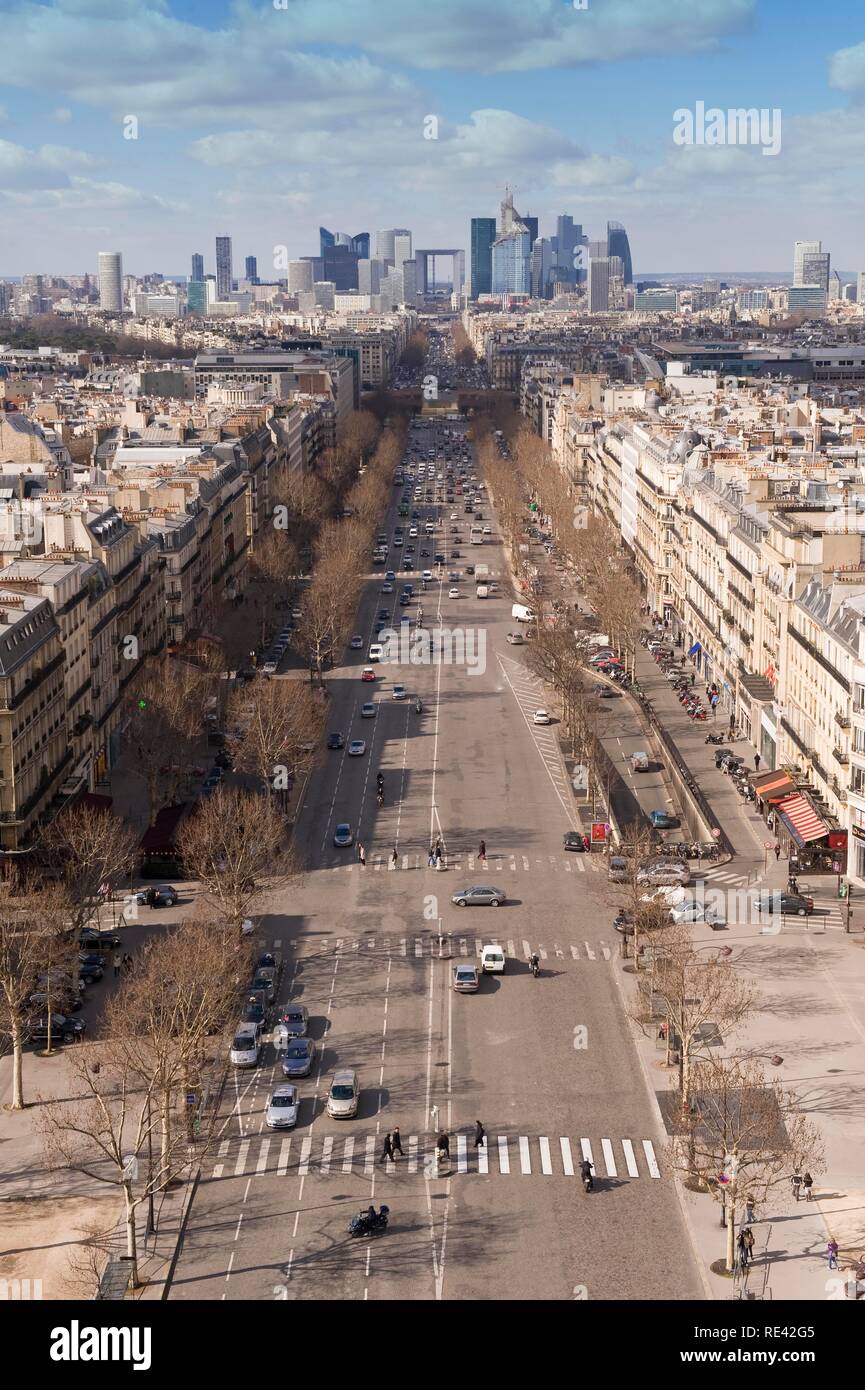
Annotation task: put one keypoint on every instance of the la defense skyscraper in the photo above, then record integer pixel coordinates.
(618, 245)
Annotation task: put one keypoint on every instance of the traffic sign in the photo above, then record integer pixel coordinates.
(768, 844)
(716, 834)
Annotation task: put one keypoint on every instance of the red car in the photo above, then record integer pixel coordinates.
(367, 674)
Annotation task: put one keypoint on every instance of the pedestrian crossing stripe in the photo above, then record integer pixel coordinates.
(502, 1155)
(575, 863)
(420, 948)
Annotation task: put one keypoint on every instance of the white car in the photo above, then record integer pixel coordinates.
(270, 668)
(488, 530)
(427, 575)
(376, 652)
(357, 748)
(541, 717)
(356, 642)
(399, 692)
(492, 960)
(412, 535)
(453, 593)
(516, 639)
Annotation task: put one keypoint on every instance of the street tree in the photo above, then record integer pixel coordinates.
(278, 724)
(34, 941)
(92, 851)
(235, 846)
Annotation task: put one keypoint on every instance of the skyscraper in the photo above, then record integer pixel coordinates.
(360, 245)
(860, 287)
(483, 234)
(599, 284)
(111, 281)
(801, 249)
(384, 250)
(511, 261)
(197, 266)
(618, 245)
(223, 267)
(531, 226)
(401, 248)
(196, 297)
(369, 273)
(251, 268)
(300, 277)
(568, 236)
(815, 269)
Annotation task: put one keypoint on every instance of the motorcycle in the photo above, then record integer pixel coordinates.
(417, 706)
(588, 1179)
(365, 1224)
(535, 966)
(715, 738)
(380, 797)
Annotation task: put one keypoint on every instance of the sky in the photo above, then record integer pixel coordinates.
(262, 119)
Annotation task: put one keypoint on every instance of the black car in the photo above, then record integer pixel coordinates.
(572, 839)
(335, 740)
(91, 966)
(255, 1009)
(470, 569)
(102, 941)
(62, 1029)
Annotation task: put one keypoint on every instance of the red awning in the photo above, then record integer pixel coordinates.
(802, 819)
(771, 786)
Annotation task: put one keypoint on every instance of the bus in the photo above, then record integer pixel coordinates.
(159, 855)
(476, 535)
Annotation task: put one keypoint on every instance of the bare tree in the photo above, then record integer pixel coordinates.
(279, 723)
(92, 850)
(32, 940)
(235, 846)
(746, 1137)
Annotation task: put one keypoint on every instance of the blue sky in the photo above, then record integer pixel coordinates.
(264, 122)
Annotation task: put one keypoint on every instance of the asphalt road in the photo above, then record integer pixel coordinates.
(546, 1065)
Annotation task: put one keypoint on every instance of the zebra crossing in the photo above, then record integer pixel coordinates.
(724, 874)
(496, 864)
(423, 947)
(503, 1155)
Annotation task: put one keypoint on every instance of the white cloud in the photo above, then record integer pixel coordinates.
(63, 115)
(847, 69)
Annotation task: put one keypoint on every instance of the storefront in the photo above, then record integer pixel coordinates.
(810, 839)
(768, 738)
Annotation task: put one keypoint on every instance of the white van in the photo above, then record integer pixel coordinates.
(483, 591)
(522, 613)
(492, 960)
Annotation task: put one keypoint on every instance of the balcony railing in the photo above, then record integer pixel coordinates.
(840, 756)
(842, 720)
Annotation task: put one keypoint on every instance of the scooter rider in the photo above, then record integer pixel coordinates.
(586, 1168)
(417, 705)
(443, 1144)
(535, 963)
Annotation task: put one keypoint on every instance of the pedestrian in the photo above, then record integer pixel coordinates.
(797, 1183)
(749, 1242)
(438, 856)
(749, 1210)
(117, 962)
(434, 1117)
(587, 844)
(361, 854)
(480, 1135)
(756, 762)
(396, 1144)
(394, 859)
(431, 857)
(807, 1183)
(732, 722)
(777, 851)
(482, 852)
(387, 1149)
(743, 1249)
(832, 1252)
(793, 883)
(127, 963)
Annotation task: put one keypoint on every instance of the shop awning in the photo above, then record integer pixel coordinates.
(801, 819)
(771, 786)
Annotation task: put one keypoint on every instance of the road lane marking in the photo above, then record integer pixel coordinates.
(589, 952)
(261, 1165)
(220, 1153)
(527, 950)
(511, 950)
(326, 1150)
(462, 1157)
(284, 1149)
(464, 946)
(525, 1156)
(575, 952)
(609, 1159)
(303, 1165)
(504, 1158)
(241, 1158)
(347, 1154)
(546, 1160)
(369, 1156)
(586, 1149)
(630, 1160)
(412, 1154)
(483, 1157)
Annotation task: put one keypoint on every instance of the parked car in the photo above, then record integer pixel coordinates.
(245, 1049)
(90, 966)
(282, 1107)
(102, 941)
(62, 1028)
(255, 1009)
(481, 895)
(516, 639)
(265, 980)
(617, 869)
(466, 979)
(157, 895)
(344, 1095)
(298, 1057)
(663, 820)
(541, 716)
(664, 871)
(573, 839)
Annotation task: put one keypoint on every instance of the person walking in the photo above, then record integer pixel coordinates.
(387, 1150)
(832, 1252)
(396, 1144)
(480, 1135)
(127, 963)
(749, 1242)
(796, 1181)
(361, 854)
(743, 1249)
(807, 1183)
(777, 851)
(749, 1210)
(431, 857)
(756, 762)
(438, 855)
(117, 963)
(394, 859)
(482, 852)
(732, 722)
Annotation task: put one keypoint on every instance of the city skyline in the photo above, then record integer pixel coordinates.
(112, 161)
